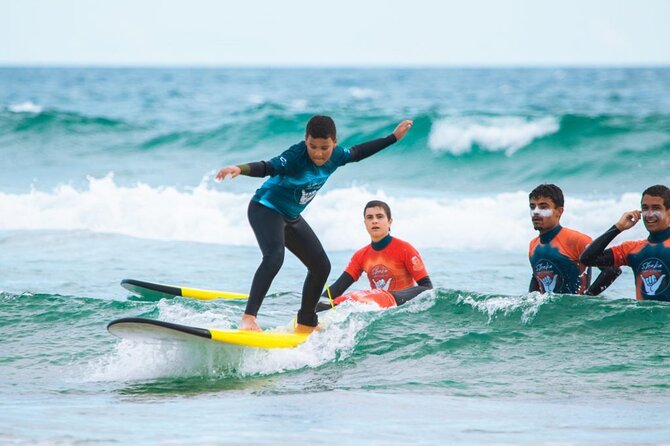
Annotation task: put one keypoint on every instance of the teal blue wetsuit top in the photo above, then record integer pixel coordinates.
(296, 179)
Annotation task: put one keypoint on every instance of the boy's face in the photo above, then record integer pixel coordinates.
(544, 214)
(654, 214)
(377, 223)
(319, 149)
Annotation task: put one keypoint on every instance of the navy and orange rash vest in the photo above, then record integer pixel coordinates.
(649, 260)
(554, 257)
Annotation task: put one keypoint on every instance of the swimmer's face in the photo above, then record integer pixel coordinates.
(544, 214)
(654, 214)
(319, 149)
(377, 223)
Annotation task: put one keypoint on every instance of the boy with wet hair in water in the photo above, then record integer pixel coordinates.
(649, 258)
(296, 176)
(392, 265)
(554, 254)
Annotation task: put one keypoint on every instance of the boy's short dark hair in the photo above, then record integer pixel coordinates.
(320, 126)
(549, 191)
(378, 204)
(659, 191)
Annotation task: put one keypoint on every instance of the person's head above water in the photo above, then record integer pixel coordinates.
(546, 207)
(377, 217)
(320, 138)
(655, 207)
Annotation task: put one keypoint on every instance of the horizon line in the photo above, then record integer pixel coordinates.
(335, 66)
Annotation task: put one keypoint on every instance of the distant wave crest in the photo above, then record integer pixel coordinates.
(25, 107)
(509, 134)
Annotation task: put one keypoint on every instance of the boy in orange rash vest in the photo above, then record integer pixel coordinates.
(394, 267)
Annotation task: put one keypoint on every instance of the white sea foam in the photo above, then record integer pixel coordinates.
(25, 107)
(209, 214)
(363, 93)
(151, 359)
(529, 304)
(509, 134)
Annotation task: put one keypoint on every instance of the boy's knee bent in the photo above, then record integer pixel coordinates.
(274, 260)
(321, 269)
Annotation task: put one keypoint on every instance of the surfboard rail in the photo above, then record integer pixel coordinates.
(142, 328)
(160, 291)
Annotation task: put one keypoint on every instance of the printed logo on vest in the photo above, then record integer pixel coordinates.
(417, 264)
(304, 196)
(654, 276)
(548, 275)
(381, 277)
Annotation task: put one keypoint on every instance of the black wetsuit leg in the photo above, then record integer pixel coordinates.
(269, 228)
(301, 241)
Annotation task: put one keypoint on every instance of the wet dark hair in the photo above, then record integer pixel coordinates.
(549, 191)
(659, 191)
(320, 126)
(378, 204)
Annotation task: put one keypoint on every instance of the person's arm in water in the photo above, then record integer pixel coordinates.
(340, 285)
(595, 254)
(336, 290)
(400, 296)
(407, 294)
(606, 277)
(533, 286)
(359, 152)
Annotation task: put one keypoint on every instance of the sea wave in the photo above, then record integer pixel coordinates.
(209, 214)
(485, 330)
(39, 121)
(25, 107)
(505, 133)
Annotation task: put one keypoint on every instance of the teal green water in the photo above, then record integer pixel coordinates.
(107, 174)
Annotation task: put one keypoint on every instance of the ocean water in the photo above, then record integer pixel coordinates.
(108, 174)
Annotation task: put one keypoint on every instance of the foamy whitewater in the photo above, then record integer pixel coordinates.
(108, 174)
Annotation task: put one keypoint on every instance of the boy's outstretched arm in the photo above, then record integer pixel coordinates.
(256, 169)
(369, 148)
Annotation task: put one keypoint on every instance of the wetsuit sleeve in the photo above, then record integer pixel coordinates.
(257, 169)
(366, 149)
(336, 290)
(403, 296)
(595, 254)
(288, 161)
(606, 277)
(339, 286)
(534, 286)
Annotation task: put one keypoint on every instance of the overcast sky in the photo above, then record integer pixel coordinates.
(340, 32)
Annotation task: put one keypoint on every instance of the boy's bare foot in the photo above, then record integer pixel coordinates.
(249, 323)
(299, 328)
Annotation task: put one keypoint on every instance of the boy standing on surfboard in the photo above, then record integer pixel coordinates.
(274, 211)
(393, 266)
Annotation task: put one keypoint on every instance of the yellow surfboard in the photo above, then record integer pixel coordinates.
(138, 328)
(160, 291)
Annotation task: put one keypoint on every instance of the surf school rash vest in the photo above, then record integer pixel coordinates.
(296, 179)
(391, 264)
(649, 260)
(554, 257)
